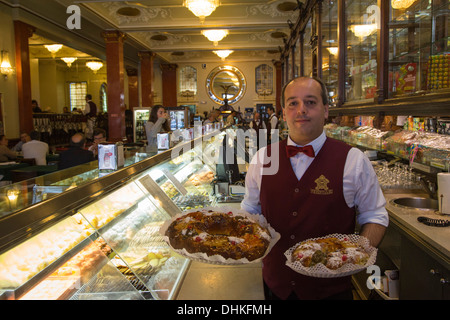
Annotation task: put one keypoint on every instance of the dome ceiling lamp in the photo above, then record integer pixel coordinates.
(69, 60)
(201, 8)
(215, 35)
(94, 65)
(223, 53)
(53, 48)
(363, 30)
(402, 4)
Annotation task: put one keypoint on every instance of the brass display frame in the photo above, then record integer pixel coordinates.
(213, 76)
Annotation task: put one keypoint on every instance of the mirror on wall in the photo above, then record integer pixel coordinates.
(225, 82)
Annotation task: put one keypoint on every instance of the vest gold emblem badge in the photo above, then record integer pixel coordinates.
(322, 186)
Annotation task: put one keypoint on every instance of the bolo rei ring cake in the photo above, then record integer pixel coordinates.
(225, 234)
(333, 255)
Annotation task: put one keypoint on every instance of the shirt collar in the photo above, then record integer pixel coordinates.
(316, 143)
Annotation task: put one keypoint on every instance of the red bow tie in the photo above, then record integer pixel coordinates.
(293, 150)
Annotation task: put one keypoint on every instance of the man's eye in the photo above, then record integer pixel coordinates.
(310, 102)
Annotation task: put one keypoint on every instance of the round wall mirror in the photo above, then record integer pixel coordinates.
(225, 82)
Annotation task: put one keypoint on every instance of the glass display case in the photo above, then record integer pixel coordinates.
(100, 239)
(140, 117)
(419, 58)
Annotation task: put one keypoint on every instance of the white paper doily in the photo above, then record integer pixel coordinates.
(321, 271)
(218, 259)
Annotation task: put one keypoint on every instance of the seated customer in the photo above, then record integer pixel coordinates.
(36, 149)
(24, 138)
(5, 153)
(76, 154)
(99, 137)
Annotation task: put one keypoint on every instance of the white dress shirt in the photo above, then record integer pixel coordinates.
(360, 183)
(36, 149)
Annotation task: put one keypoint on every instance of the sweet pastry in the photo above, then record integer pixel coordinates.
(218, 233)
(331, 252)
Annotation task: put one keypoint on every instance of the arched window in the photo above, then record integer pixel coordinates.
(264, 80)
(103, 98)
(188, 81)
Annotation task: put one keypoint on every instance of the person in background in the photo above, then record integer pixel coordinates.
(159, 121)
(66, 110)
(257, 124)
(36, 149)
(312, 191)
(99, 137)
(90, 110)
(76, 154)
(231, 118)
(24, 138)
(273, 120)
(35, 106)
(5, 153)
(212, 117)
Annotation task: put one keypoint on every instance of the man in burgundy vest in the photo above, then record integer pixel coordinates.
(257, 124)
(313, 192)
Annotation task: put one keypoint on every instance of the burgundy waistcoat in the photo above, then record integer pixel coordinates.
(93, 109)
(313, 206)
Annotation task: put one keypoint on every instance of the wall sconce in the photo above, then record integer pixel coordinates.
(5, 66)
(69, 60)
(53, 48)
(94, 65)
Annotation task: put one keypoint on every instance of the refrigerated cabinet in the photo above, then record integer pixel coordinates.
(140, 117)
(101, 240)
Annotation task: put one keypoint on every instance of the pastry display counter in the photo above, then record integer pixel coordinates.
(99, 237)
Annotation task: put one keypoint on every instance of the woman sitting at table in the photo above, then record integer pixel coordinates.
(5, 153)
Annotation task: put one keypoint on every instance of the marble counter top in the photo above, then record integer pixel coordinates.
(437, 237)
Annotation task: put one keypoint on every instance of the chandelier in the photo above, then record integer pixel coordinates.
(363, 30)
(215, 35)
(53, 48)
(223, 53)
(69, 60)
(201, 8)
(94, 65)
(401, 4)
(333, 50)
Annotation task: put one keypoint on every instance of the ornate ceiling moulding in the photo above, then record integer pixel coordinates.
(278, 35)
(287, 6)
(129, 12)
(159, 37)
(113, 36)
(177, 53)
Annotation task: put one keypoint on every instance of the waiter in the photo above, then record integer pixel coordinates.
(314, 192)
(90, 110)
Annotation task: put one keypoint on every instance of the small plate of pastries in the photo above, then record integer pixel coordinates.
(220, 235)
(331, 256)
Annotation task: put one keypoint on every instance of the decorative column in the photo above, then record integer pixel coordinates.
(22, 32)
(382, 53)
(133, 88)
(342, 52)
(169, 84)
(301, 71)
(147, 59)
(115, 77)
(278, 84)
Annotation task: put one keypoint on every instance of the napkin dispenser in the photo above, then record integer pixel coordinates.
(443, 180)
(110, 156)
(163, 141)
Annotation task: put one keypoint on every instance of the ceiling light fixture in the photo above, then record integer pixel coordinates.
(363, 30)
(333, 50)
(94, 65)
(53, 48)
(201, 8)
(5, 66)
(402, 4)
(215, 35)
(69, 60)
(223, 53)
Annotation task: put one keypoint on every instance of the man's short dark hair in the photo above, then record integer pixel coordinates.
(271, 108)
(323, 94)
(89, 96)
(98, 131)
(35, 135)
